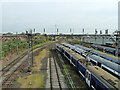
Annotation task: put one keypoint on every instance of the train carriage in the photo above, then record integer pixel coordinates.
(76, 49)
(109, 51)
(100, 48)
(76, 60)
(102, 55)
(82, 47)
(101, 62)
(109, 66)
(101, 79)
(81, 52)
(58, 47)
(94, 76)
(104, 49)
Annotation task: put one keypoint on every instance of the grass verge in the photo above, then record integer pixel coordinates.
(34, 80)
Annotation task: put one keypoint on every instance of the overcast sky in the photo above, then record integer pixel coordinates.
(66, 14)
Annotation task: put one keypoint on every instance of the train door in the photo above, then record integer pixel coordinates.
(104, 50)
(88, 76)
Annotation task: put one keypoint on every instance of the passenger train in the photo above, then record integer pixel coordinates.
(82, 47)
(105, 49)
(94, 76)
(101, 55)
(76, 49)
(107, 65)
(106, 57)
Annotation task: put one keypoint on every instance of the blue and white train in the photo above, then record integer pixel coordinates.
(76, 49)
(94, 76)
(101, 55)
(106, 57)
(107, 65)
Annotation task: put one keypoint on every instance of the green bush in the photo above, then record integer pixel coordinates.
(11, 45)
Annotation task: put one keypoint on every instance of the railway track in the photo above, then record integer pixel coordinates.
(9, 80)
(11, 64)
(55, 81)
(61, 62)
(9, 73)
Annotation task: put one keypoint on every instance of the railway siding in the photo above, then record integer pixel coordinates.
(16, 67)
(55, 77)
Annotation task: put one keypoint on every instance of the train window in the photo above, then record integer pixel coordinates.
(111, 72)
(87, 74)
(73, 60)
(100, 48)
(94, 63)
(67, 55)
(76, 51)
(83, 72)
(80, 61)
(93, 81)
(99, 64)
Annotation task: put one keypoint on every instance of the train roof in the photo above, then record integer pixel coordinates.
(107, 56)
(76, 56)
(85, 48)
(75, 48)
(72, 52)
(104, 76)
(110, 64)
(80, 50)
(57, 44)
(110, 42)
(68, 45)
